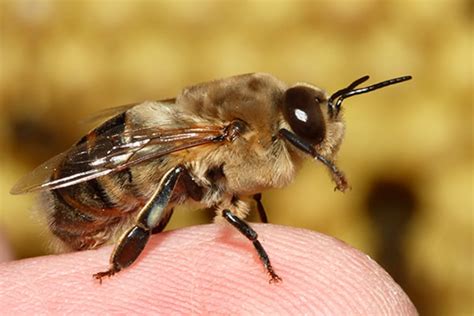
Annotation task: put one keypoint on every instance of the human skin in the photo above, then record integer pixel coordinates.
(209, 269)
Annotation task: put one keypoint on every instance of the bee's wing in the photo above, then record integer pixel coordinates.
(107, 154)
(107, 113)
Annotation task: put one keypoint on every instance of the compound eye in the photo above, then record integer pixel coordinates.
(302, 110)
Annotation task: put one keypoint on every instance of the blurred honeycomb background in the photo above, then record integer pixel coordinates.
(408, 149)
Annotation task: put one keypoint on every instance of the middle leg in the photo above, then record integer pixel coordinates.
(251, 234)
(261, 210)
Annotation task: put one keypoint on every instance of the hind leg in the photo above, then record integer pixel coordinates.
(151, 218)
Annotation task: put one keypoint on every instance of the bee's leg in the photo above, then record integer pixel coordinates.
(251, 234)
(192, 189)
(261, 210)
(151, 216)
(163, 222)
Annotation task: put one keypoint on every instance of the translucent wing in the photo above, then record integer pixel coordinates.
(106, 154)
(107, 113)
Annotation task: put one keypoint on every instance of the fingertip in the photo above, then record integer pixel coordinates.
(212, 268)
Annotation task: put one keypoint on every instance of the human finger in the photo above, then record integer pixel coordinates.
(210, 269)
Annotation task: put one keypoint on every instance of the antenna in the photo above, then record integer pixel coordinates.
(350, 91)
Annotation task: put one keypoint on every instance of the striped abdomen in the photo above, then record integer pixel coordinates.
(87, 214)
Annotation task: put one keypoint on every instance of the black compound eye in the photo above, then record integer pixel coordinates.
(302, 110)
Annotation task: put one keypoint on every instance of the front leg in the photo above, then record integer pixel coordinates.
(151, 218)
(251, 234)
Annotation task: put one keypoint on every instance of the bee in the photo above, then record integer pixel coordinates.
(220, 143)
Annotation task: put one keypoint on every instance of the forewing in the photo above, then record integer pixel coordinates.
(106, 154)
(107, 113)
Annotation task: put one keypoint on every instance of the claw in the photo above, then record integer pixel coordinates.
(274, 278)
(341, 182)
(100, 275)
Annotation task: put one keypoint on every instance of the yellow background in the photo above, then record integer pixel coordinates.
(408, 149)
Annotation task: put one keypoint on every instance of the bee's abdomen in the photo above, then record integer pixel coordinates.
(86, 214)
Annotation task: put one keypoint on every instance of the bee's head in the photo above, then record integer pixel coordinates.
(310, 113)
(302, 109)
(315, 118)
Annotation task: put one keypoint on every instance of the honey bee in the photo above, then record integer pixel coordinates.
(219, 143)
